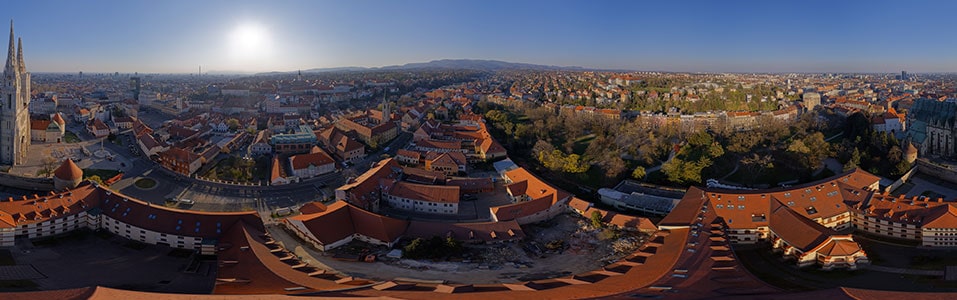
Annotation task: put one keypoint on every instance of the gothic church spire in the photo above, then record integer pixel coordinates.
(11, 56)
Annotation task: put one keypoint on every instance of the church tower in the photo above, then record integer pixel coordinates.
(386, 109)
(15, 89)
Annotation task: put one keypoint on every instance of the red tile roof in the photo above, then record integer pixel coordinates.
(275, 170)
(316, 158)
(408, 153)
(507, 230)
(249, 267)
(428, 193)
(349, 220)
(22, 211)
(58, 119)
(361, 191)
(796, 230)
(39, 124)
(68, 171)
(536, 188)
(160, 218)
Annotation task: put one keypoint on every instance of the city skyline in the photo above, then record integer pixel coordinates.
(691, 36)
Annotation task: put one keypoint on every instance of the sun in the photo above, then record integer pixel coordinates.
(249, 43)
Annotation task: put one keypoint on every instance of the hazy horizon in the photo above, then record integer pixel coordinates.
(687, 36)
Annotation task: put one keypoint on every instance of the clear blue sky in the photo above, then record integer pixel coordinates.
(707, 36)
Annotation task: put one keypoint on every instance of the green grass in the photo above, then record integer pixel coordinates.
(70, 137)
(145, 183)
(103, 173)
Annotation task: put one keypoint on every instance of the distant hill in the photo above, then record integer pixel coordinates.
(477, 64)
(469, 64)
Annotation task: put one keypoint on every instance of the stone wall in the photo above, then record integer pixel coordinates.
(937, 170)
(26, 183)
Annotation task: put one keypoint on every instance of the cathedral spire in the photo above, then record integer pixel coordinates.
(11, 59)
(20, 63)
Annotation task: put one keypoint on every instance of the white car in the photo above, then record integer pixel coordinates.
(187, 201)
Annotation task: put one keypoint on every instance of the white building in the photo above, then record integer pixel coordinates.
(312, 164)
(436, 199)
(93, 207)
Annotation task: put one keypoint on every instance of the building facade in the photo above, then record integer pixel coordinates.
(15, 127)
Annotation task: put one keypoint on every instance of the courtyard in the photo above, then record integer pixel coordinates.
(85, 258)
(580, 250)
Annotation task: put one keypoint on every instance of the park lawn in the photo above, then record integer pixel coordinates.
(70, 137)
(145, 183)
(103, 173)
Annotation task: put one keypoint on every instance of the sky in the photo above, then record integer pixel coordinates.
(178, 36)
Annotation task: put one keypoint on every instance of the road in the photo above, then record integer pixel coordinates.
(213, 196)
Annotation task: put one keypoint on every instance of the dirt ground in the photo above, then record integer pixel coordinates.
(585, 249)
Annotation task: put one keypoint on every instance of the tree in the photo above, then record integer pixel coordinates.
(900, 168)
(413, 249)
(232, 123)
(95, 178)
(855, 160)
(596, 219)
(756, 165)
(685, 172)
(638, 173)
(743, 142)
(613, 166)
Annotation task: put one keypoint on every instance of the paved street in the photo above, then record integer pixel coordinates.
(222, 197)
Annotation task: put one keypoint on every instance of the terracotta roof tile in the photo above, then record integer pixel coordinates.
(68, 171)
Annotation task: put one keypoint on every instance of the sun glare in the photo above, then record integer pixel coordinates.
(249, 43)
